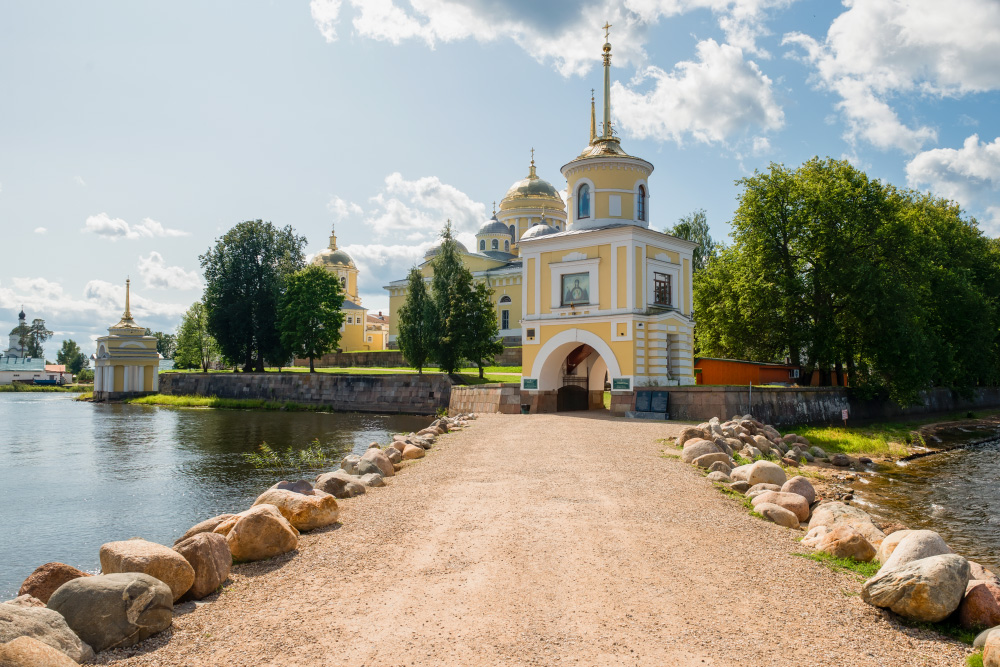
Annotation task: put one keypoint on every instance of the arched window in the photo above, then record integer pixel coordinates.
(505, 299)
(343, 281)
(506, 246)
(513, 232)
(482, 244)
(640, 205)
(583, 201)
(495, 245)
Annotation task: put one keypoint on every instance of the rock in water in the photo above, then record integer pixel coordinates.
(830, 514)
(927, 590)
(378, 457)
(840, 460)
(206, 526)
(339, 484)
(413, 452)
(45, 625)
(801, 486)
(792, 502)
(44, 581)
(845, 542)
(29, 652)
(980, 607)
(115, 610)
(156, 560)
(765, 472)
(259, 533)
(209, 555)
(777, 514)
(304, 511)
(916, 545)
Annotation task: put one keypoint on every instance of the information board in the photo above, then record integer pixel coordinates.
(530, 383)
(621, 384)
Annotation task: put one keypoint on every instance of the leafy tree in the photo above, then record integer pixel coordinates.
(196, 348)
(32, 338)
(310, 315)
(72, 357)
(482, 337)
(245, 274)
(414, 322)
(694, 227)
(85, 376)
(451, 279)
(166, 344)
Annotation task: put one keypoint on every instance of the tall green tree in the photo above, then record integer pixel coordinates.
(482, 337)
(72, 357)
(245, 275)
(450, 283)
(166, 344)
(414, 322)
(196, 348)
(310, 315)
(32, 338)
(694, 227)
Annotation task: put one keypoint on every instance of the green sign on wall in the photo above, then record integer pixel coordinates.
(530, 383)
(621, 384)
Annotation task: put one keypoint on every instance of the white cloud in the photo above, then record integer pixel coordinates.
(970, 175)
(41, 230)
(158, 275)
(79, 181)
(342, 209)
(719, 96)
(378, 265)
(878, 50)
(417, 210)
(115, 228)
(325, 13)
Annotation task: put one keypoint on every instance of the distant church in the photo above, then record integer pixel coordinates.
(15, 349)
(596, 297)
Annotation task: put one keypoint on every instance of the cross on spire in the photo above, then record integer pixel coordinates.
(607, 27)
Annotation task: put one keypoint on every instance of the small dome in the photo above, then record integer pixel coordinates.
(435, 249)
(539, 229)
(21, 315)
(333, 258)
(493, 226)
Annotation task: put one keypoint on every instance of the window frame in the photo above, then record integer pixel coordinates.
(580, 190)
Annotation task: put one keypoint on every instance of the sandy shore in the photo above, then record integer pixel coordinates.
(542, 540)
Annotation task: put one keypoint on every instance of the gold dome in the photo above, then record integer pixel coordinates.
(533, 187)
(330, 257)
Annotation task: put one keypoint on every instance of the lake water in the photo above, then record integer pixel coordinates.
(74, 475)
(956, 493)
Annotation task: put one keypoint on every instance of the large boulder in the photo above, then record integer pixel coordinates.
(350, 464)
(720, 466)
(368, 467)
(926, 590)
(706, 460)
(206, 526)
(394, 455)
(762, 443)
(208, 554)
(115, 610)
(690, 433)
(814, 536)
(695, 448)
(150, 558)
(765, 472)
(719, 478)
(802, 487)
(758, 489)
(45, 625)
(845, 542)
(259, 533)
(980, 640)
(991, 650)
(830, 514)
(340, 484)
(890, 543)
(373, 480)
(980, 573)
(26, 601)
(792, 502)
(413, 452)
(840, 460)
(381, 460)
(777, 514)
(740, 473)
(29, 652)
(305, 511)
(918, 544)
(44, 581)
(980, 607)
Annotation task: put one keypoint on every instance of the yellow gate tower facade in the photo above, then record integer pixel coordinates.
(608, 300)
(127, 362)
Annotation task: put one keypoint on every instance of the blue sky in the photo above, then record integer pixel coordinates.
(133, 134)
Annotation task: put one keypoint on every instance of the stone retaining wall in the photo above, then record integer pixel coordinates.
(511, 356)
(503, 398)
(407, 394)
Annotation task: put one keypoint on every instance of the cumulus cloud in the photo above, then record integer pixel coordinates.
(342, 209)
(104, 225)
(158, 275)
(41, 230)
(378, 265)
(878, 50)
(719, 96)
(79, 181)
(970, 175)
(416, 210)
(325, 14)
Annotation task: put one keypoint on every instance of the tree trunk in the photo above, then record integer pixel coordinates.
(312, 368)
(480, 370)
(259, 366)
(851, 368)
(840, 373)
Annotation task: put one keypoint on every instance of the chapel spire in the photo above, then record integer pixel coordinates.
(128, 311)
(593, 119)
(531, 170)
(333, 237)
(607, 81)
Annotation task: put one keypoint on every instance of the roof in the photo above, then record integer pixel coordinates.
(498, 255)
(539, 229)
(493, 226)
(55, 368)
(19, 364)
(333, 258)
(350, 305)
(615, 225)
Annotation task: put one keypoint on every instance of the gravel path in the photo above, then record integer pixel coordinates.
(543, 540)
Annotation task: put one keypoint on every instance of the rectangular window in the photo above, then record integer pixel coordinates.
(661, 289)
(531, 334)
(505, 319)
(350, 320)
(575, 288)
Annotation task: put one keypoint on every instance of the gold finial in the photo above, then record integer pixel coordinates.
(333, 237)
(494, 208)
(607, 27)
(607, 83)
(531, 172)
(128, 311)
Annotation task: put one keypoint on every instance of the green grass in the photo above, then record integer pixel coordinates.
(739, 497)
(225, 403)
(865, 570)
(32, 388)
(948, 628)
(975, 660)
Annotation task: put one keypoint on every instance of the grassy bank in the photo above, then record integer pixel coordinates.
(225, 403)
(30, 388)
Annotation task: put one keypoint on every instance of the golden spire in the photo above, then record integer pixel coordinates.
(531, 171)
(128, 311)
(127, 322)
(593, 127)
(607, 82)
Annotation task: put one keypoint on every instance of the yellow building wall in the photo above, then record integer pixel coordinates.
(608, 179)
(119, 378)
(624, 351)
(352, 338)
(622, 260)
(640, 279)
(687, 286)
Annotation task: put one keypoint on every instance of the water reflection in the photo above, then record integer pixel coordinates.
(75, 475)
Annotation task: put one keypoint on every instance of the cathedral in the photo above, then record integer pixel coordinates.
(597, 299)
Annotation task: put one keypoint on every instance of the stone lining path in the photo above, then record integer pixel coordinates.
(543, 540)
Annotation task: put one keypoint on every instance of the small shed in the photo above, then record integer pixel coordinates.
(709, 370)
